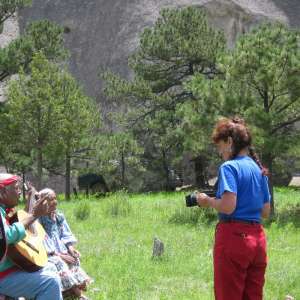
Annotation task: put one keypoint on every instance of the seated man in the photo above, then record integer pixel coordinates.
(39, 285)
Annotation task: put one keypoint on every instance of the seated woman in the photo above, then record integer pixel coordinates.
(59, 243)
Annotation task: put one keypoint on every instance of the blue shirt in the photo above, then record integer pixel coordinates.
(243, 177)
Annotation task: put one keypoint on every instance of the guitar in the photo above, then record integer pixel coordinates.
(29, 254)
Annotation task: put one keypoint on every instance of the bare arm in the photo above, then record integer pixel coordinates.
(265, 213)
(41, 208)
(28, 221)
(31, 218)
(226, 204)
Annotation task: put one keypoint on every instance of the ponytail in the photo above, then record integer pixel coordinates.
(254, 156)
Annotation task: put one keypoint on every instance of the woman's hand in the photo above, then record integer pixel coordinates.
(202, 199)
(75, 253)
(69, 259)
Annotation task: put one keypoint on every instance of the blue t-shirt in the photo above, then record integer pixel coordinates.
(243, 177)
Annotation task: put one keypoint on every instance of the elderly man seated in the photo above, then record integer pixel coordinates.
(14, 282)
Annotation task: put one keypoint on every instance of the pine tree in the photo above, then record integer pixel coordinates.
(180, 45)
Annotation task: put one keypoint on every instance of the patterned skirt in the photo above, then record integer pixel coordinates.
(70, 275)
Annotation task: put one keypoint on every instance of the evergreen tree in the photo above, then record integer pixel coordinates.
(31, 111)
(46, 116)
(40, 36)
(261, 82)
(117, 155)
(79, 119)
(180, 44)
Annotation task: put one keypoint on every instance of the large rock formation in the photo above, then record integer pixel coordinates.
(9, 33)
(103, 33)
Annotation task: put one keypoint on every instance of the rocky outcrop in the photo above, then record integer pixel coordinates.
(10, 32)
(103, 33)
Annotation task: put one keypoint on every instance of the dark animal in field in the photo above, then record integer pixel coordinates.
(92, 183)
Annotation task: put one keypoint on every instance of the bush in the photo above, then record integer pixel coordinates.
(83, 211)
(289, 214)
(193, 216)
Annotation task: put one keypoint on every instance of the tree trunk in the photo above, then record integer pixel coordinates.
(87, 189)
(23, 186)
(122, 170)
(200, 171)
(68, 176)
(39, 168)
(168, 186)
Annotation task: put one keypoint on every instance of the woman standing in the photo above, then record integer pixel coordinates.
(242, 199)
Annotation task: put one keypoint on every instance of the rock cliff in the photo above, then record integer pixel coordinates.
(103, 33)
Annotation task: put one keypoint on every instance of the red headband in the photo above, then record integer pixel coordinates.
(8, 181)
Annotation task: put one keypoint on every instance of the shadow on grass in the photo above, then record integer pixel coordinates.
(289, 214)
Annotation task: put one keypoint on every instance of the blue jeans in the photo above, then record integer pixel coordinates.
(40, 285)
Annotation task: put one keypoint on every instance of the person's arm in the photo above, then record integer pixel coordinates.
(26, 222)
(41, 208)
(69, 239)
(265, 213)
(13, 233)
(65, 232)
(226, 204)
(227, 191)
(16, 231)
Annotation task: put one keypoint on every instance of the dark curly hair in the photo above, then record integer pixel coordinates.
(237, 129)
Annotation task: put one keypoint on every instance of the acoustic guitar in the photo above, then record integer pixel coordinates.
(29, 254)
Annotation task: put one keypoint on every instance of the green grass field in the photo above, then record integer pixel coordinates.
(116, 234)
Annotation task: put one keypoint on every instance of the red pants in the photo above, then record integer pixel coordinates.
(240, 261)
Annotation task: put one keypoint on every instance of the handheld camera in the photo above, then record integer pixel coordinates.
(191, 199)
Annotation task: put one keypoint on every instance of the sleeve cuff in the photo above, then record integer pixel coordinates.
(69, 241)
(20, 229)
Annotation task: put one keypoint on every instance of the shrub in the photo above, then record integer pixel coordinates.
(83, 211)
(290, 213)
(192, 216)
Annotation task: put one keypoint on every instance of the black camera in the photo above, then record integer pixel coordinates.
(191, 199)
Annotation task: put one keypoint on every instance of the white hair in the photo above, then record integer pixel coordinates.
(46, 192)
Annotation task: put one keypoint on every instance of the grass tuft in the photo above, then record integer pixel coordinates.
(83, 210)
(118, 205)
(192, 216)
